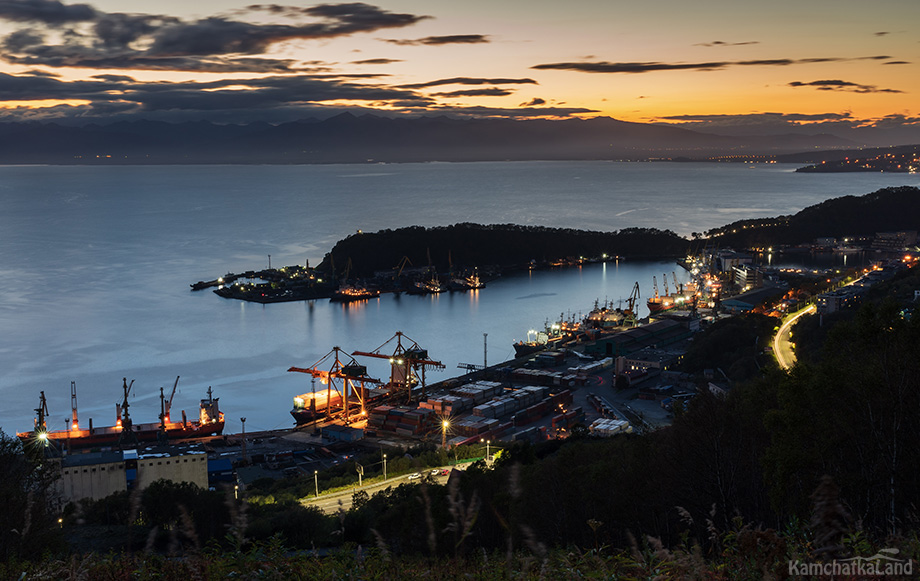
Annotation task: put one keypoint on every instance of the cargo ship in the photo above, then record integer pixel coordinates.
(126, 433)
(552, 337)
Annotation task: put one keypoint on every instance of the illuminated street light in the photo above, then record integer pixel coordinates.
(316, 481)
(444, 425)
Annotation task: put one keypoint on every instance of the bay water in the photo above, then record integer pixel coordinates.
(96, 262)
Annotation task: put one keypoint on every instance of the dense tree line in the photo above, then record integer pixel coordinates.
(504, 245)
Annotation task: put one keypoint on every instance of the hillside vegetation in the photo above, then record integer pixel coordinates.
(502, 245)
(885, 210)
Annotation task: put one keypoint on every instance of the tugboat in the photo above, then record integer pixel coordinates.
(124, 433)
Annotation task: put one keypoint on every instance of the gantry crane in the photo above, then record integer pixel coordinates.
(347, 379)
(407, 365)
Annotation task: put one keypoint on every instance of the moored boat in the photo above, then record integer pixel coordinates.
(126, 433)
(349, 293)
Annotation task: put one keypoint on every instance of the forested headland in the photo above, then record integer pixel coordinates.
(500, 245)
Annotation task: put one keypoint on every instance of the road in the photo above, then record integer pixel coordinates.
(782, 346)
(331, 503)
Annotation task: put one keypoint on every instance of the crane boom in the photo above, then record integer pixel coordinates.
(168, 404)
(74, 424)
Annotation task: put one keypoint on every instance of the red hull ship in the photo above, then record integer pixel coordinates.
(125, 433)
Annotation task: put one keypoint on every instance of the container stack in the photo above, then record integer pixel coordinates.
(607, 427)
(473, 426)
(448, 405)
(496, 408)
(562, 398)
(402, 421)
(567, 420)
(602, 405)
(531, 414)
(534, 434)
(544, 377)
(587, 368)
(479, 391)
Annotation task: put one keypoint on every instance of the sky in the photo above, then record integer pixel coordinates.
(703, 64)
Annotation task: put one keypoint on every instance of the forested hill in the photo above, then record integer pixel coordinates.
(885, 210)
(505, 245)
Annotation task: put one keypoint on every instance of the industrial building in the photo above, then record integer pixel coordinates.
(96, 475)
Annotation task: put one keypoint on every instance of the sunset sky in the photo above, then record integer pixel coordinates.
(704, 63)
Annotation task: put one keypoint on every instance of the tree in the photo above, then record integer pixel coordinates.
(854, 417)
(29, 515)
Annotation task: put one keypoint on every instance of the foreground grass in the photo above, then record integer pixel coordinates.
(745, 554)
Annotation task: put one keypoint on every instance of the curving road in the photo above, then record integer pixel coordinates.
(332, 503)
(782, 346)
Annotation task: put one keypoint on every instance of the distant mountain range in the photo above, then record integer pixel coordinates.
(347, 138)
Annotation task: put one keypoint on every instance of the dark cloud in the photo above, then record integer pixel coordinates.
(470, 81)
(46, 11)
(378, 61)
(493, 92)
(23, 39)
(645, 67)
(440, 40)
(758, 118)
(882, 33)
(536, 101)
(38, 73)
(156, 42)
(846, 86)
(114, 78)
(722, 43)
(888, 129)
(198, 96)
(523, 112)
(896, 63)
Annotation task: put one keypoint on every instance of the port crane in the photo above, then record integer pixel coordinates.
(631, 305)
(346, 376)
(655, 284)
(41, 413)
(127, 435)
(407, 364)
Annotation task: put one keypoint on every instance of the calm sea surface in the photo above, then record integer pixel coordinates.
(96, 263)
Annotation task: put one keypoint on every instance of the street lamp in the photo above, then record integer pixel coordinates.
(488, 456)
(444, 425)
(384, 467)
(316, 481)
